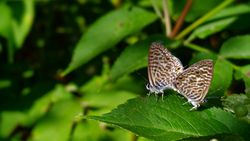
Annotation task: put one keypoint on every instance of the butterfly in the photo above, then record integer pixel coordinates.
(163, 68)
(194, 82)
(166, 71)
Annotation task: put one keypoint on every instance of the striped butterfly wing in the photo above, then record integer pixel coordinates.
(163, 67)
(194, 82)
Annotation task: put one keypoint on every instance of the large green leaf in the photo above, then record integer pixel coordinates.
(107, 31)
(136, 56)
(171, 120)
(236, 47)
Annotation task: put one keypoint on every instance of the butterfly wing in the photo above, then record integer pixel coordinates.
(163, 67)
(194, 82)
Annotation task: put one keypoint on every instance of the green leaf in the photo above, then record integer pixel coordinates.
(57, 122)
(236, 48)
(108, 31)
(211, 28)
(94, 131)
(222, 78)
(15, 23)
(11, 119)
(238, 104)
(232, 11)
(135, 56)
(171, 120)
(5, 20)
(23, 23)
(226, 18)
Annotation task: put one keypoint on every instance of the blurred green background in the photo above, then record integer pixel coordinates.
(62, 60)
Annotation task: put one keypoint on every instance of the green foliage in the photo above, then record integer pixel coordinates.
(225, 19)
(16, 21)
(138, 54)
(240, 105)
(237, 48)
(77, 70)
(171, 120)
(220, 82)
(121, 23)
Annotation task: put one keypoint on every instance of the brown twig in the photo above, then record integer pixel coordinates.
(181, 18)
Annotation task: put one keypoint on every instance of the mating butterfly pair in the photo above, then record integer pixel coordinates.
(165, 71)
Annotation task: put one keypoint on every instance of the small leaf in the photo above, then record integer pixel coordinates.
(5, 20)
(232, 11)
(22, 27)
(236, 48)
(171, 120)
(135, 56)
(222, 77)
(15, 23)
(108, 31)
(211, 28)
(226, 18)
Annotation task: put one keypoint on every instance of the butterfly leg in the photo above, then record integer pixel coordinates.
(162, 96)
(189, 101)
(195, 105)
(149, 93)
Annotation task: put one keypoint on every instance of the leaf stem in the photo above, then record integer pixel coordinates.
(166, 18)
(196, 47)
(203, 19)
(157, 10)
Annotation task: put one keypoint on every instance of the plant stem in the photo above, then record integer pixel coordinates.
(203, 19)
(181, 18)
(196, 47)
(166, 18)
(157, 10)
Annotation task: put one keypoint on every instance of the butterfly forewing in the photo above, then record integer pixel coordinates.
(163, 67)
(194, 82)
